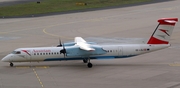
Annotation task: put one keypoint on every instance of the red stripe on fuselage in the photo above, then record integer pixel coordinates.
(26, 52)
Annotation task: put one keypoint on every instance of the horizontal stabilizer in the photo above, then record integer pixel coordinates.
(168, 21)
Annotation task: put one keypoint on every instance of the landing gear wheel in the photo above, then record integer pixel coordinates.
(89, 65)
(11, 64)
(85, 60)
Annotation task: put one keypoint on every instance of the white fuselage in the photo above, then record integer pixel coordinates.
(53, 53)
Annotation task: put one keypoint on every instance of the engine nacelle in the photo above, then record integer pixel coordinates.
(75, 51)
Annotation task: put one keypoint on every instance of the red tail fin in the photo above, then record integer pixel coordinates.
(163, 31)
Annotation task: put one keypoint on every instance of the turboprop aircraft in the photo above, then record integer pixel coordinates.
(82, 50)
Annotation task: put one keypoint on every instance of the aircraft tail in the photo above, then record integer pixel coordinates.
(163, 31)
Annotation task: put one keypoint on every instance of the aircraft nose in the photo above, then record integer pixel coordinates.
(5, 59)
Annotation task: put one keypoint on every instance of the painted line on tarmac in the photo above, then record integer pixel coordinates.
(42, 67)
(172, 8)
(19, 30)
(22, 67)
(54, 35)
(12, 31)
(40, 82)
(88, 20)
(175, 64)
(25, 67)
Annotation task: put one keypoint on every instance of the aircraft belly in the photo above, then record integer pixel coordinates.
(92, 57)
(63, 59)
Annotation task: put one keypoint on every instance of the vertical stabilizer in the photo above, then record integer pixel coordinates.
(163, 31)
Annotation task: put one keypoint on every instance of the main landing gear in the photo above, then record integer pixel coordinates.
(89, 63)
(11, 64)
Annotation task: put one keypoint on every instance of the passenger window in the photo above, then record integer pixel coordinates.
(37, 53)
(34, 53)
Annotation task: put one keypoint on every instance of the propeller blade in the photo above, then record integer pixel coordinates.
(60, 44)
(63, 50)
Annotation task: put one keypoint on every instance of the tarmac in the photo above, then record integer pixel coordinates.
(159, 69)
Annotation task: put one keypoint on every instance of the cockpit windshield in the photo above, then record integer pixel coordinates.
(16, 52)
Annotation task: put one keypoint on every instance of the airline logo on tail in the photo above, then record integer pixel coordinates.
(163, 31)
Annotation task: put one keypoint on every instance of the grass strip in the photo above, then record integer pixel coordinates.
(51, 6)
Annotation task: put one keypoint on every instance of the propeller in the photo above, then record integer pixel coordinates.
(63, 51)
(59, 43)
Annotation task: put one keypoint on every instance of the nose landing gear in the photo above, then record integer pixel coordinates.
(11, 64)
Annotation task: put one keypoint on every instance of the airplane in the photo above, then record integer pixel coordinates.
(82, 50)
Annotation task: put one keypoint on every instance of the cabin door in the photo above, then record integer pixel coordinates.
(120, 51)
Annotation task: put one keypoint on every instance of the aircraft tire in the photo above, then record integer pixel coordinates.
(89, 65)
(11, 64)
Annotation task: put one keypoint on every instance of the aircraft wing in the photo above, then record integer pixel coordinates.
(83, 44)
